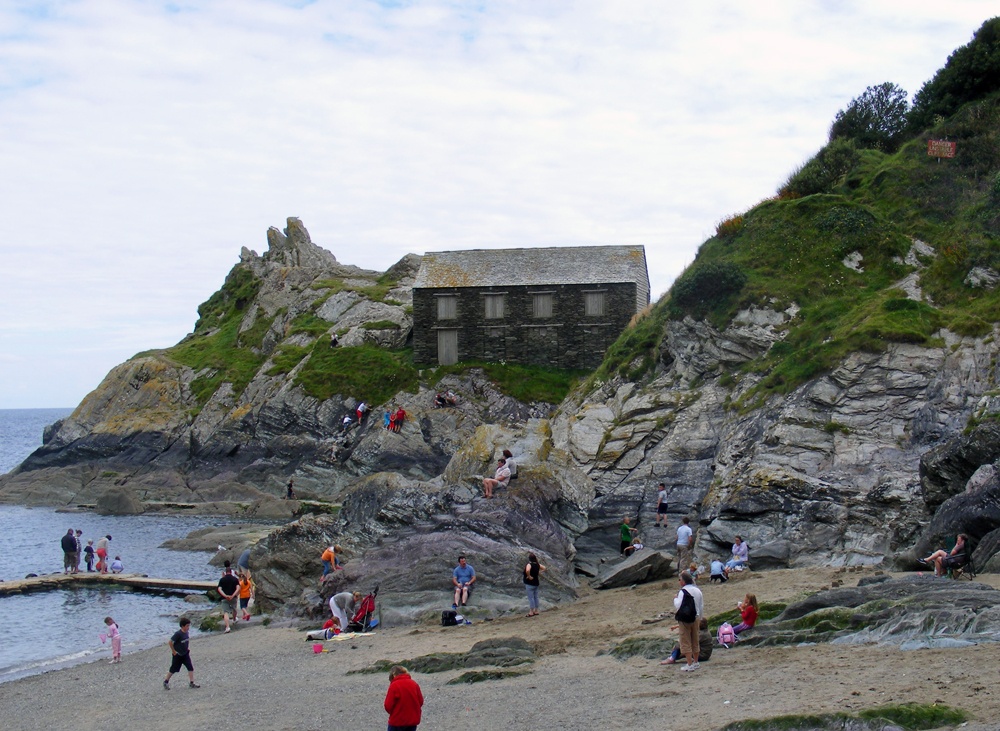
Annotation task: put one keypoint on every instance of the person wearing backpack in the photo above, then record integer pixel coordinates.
(689, 604)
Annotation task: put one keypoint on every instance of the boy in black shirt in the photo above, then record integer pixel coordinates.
(180, 650)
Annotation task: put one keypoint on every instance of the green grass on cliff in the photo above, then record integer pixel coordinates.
(791, 250)
(217, 351)
(367, 372)
(526, 383)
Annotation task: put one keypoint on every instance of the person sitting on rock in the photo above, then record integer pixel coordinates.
(462, 577)
(500, 479)
(636, 545)
(748, 613)
(740, 555)
(943, 560)
(511, 464)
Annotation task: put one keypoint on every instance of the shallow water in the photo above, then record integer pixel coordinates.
(45, 630)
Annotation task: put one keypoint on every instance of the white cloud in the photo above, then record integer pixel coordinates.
(141, 148)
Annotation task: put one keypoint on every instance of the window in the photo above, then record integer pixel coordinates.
(541, 304)
(593, 304)
(494, 306)
(447, 307)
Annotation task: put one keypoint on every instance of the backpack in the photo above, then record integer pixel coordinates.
(726, 635)
(687, 612)
(449, 618)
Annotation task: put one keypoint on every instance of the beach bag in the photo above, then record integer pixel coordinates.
(687, 613)
(449, 618)
(726, 635)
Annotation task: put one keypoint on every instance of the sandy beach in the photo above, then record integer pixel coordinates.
(269, 677)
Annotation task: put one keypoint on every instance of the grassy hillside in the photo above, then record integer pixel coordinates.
(858, 202)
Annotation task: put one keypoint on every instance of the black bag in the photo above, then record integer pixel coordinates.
(687, 613)
(448, 618)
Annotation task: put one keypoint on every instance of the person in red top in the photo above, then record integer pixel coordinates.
(403, 700)
(748, 613)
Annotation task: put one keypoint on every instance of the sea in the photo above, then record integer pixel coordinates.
(52, 629)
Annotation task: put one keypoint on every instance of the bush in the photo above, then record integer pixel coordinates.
(875, 120)
(824, 172)
(704, 285)
(971, 72)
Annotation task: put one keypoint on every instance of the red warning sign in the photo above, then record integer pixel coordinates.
(940, 148)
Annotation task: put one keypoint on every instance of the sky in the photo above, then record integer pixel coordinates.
(143, 144)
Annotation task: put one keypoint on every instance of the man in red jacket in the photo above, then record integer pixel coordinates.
(403, 700)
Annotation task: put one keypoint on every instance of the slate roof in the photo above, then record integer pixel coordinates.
(535, 267)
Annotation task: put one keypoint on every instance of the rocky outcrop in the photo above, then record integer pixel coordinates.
(911, 613)
(119, 501)
(639, 568)
(826, 474)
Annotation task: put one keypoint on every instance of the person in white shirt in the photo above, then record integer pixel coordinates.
(500, 479)
(685, 542)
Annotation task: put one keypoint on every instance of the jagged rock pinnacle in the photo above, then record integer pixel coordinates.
(294, 248)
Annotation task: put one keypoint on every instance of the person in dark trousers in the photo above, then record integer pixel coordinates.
(180, 650)
(229, 591)
(68, 544)
(403, 700)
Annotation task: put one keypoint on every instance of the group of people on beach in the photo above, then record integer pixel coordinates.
(74, 552)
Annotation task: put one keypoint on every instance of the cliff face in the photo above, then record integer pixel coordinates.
(829, 473)
(224, 415)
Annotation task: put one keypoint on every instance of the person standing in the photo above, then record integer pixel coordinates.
(102, 554)
(246, 594)
(403, 700)
(626, 532)
(685, 542)
(661, 507)
(180, 650)
(243, 562)
(532, 571)
(689, 600)
(88, 554)
(290, 489)
(343, 605)
(68, 544)
(79, 550)
(229, 591)
(463, 577)
(116, 640)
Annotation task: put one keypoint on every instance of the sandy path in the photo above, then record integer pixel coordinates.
(269, 678)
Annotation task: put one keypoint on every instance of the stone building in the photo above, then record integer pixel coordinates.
(559, 307)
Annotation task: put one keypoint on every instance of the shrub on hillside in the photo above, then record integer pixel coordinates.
(876, 120)
(971, 72)
(704, 285)
(823, 172)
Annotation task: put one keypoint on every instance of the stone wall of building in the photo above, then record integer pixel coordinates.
(569, 338)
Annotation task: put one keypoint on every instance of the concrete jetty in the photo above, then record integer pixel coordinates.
(71, 581)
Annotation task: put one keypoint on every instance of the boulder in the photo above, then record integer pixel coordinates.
(910, 613)
(119, 501)
(641, 567)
